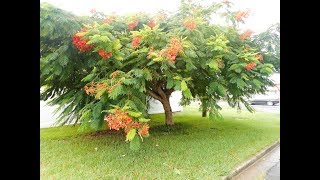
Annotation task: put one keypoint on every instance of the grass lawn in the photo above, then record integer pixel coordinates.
(196, 148)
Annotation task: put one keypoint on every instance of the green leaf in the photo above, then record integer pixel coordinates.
(63, 60)
(100, 92)
(96, 112)
(213, 64)
(240, 83)
(135, 144)
(131, 134)
(144, 120)
(116, 92)
(257, 83)
(187, 94)
(169, 83)
(88, 78)
(147, 74)
(118, 56)
(85, 115)
(58, 70)
(116, 44)
(221, 90)
(184, 86)
(134, 114)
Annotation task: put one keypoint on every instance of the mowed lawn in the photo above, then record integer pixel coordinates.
(195, 148)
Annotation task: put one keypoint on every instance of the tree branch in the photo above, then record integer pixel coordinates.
(155, 96)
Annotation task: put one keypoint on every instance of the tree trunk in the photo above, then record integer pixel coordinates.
(168, 111)
(204, 113)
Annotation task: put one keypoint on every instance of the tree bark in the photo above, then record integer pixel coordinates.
(204, 113)
(168, 111)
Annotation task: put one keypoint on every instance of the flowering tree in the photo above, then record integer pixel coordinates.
(144, 56)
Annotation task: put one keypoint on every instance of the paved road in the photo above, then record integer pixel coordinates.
(267, 167)
(259, 108)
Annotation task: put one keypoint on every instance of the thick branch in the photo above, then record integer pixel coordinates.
(161, 92)
(155, 96)
(169, 92)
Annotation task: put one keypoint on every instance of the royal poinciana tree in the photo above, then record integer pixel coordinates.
(141, 56)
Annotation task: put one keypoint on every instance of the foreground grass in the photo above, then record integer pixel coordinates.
(196, 148)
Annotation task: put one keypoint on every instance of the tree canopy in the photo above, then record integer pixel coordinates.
(109, 68)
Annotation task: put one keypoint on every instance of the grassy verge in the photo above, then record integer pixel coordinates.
(196, 148)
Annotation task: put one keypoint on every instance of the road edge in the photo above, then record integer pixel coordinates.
(251, 161)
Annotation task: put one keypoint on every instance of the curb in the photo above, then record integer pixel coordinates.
(252, 160)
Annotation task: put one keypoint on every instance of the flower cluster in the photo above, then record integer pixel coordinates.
(190, 24)
(134, 24)
(121, 120)
(114, 74)
(250, 66)
(104, 54)
(260, 57)
(152, 23)
(109, 19)
(246, 34)
(136, 41)
(93, 88)
(172, 51)
(240, 15)
(149, 54)
(81, 44)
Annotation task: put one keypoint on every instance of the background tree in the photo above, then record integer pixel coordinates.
(268, 43)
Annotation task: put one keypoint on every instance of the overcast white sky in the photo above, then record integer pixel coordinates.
(263, 12)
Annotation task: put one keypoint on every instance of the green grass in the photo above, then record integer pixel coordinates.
(195, 148)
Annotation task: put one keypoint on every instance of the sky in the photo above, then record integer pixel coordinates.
(264, 13)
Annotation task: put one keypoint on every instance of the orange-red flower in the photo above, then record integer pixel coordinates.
(109, 19)
(114, 74)
(260, 57)
(250, 66)
(136, 41)
(104, 54)
(240, 15)
(134, 24)
(91, 89)
(81, 44)
(152, 23)
(246, 34)
(144, 130)
(190, 24)
(172, 51)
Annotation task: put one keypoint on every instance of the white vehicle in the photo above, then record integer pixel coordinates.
(271, 97)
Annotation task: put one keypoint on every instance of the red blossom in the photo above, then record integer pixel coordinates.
(136, 41)
(144, 130)
(247, 34)
(152, 23)
(172, 51)
(260, 57)
(109, 19)
(250, 66)
(81, 44)
(134, 24)
(104, 54)
(240, 15)
(190, 24)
